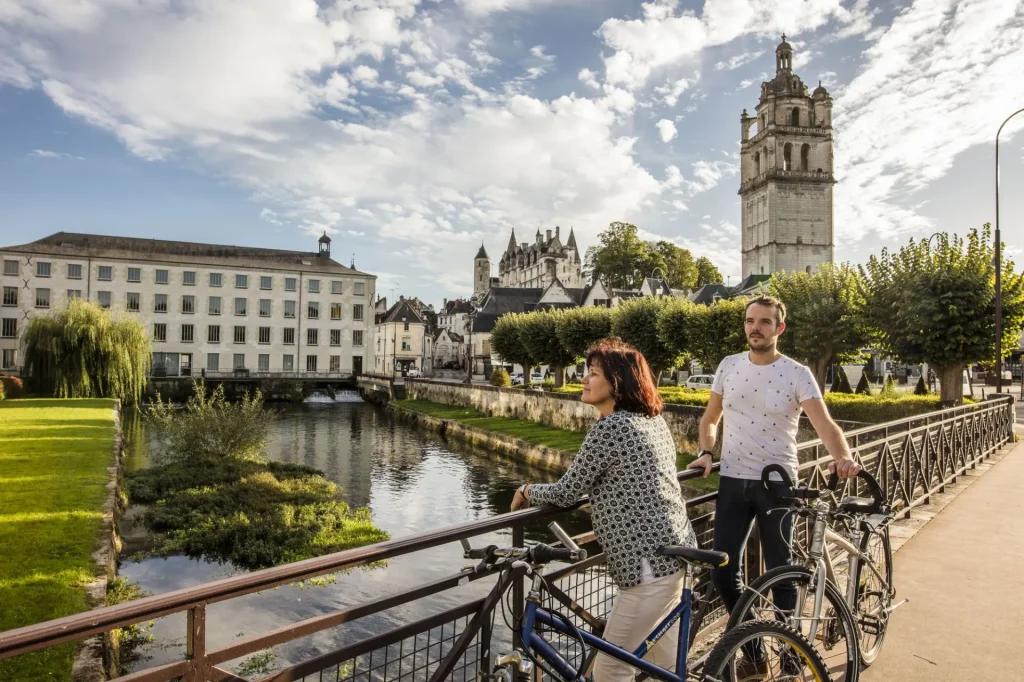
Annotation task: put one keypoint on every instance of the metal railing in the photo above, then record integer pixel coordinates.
(912, 458)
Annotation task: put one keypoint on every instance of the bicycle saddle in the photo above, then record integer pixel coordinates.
(696, 556)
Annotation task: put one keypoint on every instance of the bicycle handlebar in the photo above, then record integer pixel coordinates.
(539, 553)
(805, 493)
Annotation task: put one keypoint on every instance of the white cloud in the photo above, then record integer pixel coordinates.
(490, 6)
(738, 60)
(671, 91)
(707, 175)
(589, 78)
(269, 216)
(48, 154)
(364, 74)
(667, 129)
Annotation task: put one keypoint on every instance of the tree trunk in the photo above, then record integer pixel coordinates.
(951, 384)
(819, 368)
(559, 375)
(527, 371)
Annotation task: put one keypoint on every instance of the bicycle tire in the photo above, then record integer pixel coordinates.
(868, 655)
(717, 667)
(833, 599)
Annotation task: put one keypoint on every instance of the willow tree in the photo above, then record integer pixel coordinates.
(82, 351)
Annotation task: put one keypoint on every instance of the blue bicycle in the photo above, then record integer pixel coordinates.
(787, 654)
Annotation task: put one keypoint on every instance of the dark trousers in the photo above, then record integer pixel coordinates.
(740, 502)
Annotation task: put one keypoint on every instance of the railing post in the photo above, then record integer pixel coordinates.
(195, 644)
(518, 597)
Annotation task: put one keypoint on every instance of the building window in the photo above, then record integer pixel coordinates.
(357, 312)
(312, 337)
(289, 336)
(313, 310)
(134, 274)
(42, 269)
(358, 289)
(162, 277)
(213, 362)
(264, 307)
(160, 303)
(795, 117)
(239, 361)
(314, 286)
(131, 302)
(239, 334)
(74, 271)
(289, 308)
(263, 362)
(264, 335)
(11, 268)
(10, 295)
(215, 279)
(188, 305)
(335, 337)
(805, 157)
(159, 331)
(188, 278)
(787, 157)
(289, 284)
(241, 281)
(335, 361)
(10, 358)
(42, 298)
(74, 293)
(9, 329)
(213, 305)
(357, 337)
(106, 273)
(240, 305)
(335, 287)
(406, 343)
(406, 324)
(213, 333)
(188, 333)
(288, 363)
(266, 283)
(310, 363)
(335, 311)
(104, 298)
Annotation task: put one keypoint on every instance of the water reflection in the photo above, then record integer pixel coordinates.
(410, 479)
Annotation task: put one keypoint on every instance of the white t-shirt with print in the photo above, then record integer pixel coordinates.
(762, 413)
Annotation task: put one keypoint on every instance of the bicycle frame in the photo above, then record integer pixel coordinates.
(534, 642)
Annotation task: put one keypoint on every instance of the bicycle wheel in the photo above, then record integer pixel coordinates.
(871, 610)
(788, 655)
(836, 636)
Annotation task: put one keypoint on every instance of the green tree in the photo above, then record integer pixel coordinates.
(937, 305)
(636, 323)
(580, 328)
(83, 351)
(920, 389)
(863, 386)
(677, 324)
(621, 258)
(680, 268)
(718, 332)
(844, 381)
(538, 332)
(825, 318)
(707, 273)
(506, 341)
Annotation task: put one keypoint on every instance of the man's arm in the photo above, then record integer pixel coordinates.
(708, 432)
(832, 436)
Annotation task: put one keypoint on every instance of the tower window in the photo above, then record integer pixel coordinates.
(795, 116)
(764, 122)
(757, 163)
(805, 155)
(787, 157)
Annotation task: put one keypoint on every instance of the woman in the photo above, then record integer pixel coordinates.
(628, 467)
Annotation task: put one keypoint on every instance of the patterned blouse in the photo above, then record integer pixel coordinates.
(628, 467)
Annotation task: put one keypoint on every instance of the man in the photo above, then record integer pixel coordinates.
(762, 393)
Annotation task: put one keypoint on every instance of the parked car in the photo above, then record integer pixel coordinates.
(517, 378)
(536, 378)
(413, 372)
(700, 381)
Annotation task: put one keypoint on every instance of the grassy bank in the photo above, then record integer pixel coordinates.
(529, 431)
(54, 456)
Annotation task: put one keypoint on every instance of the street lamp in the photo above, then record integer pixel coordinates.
(469, 350)
(999, 293)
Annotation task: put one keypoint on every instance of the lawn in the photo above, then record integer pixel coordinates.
(54, 456)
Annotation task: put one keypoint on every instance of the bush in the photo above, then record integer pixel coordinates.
(12, 387)
(863, 386)
(1, 391)
(844, 381)
(500, 378)
(889, 388)
(877, 409)
(920, 389)
(836, 381)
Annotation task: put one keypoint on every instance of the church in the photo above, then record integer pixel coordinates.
(533, 265)
(786, 175)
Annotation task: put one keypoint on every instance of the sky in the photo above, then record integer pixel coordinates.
(413, 130)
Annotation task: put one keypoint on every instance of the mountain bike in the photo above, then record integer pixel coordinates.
(790, 656)
(842, 606)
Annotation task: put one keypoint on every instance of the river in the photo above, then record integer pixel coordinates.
(411, 480)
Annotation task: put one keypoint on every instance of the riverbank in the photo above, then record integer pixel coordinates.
(54, 477)
(529, 441)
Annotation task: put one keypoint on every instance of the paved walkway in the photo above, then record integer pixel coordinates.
(964, 575)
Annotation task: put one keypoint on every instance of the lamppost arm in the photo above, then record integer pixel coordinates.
(998, 248)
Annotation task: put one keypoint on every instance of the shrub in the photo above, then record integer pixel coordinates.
(889, 388)
(878, 409)
(863, 386)
(836, 381)
(1, 391)
(500, 378)
(843, 381)
(920, 389)
(12, 387)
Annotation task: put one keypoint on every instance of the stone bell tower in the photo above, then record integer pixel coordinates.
(786, 175)
(481, 272)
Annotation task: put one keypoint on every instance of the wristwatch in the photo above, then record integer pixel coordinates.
(701, 453)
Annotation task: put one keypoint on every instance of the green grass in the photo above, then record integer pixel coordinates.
(531, 432)
(54, 456)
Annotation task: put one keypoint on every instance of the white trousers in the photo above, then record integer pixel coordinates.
(635, 613)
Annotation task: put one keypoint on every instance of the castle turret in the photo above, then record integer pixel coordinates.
(481, 271)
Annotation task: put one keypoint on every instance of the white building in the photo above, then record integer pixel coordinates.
(403, 340)
(211, 309)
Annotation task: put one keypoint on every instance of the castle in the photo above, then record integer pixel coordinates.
(786, 175)
(531, 266)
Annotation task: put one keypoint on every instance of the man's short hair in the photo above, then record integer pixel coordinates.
(769, 302)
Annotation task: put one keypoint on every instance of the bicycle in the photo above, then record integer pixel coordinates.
(795, 656)
(846, 622)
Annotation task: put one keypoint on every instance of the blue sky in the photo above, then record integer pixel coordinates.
(410, 130)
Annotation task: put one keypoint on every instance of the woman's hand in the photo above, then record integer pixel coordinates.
(520, 501)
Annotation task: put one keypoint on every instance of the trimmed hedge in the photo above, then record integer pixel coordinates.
(500, 378)
(12, 386)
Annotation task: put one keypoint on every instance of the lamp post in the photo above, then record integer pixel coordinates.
(999, 293)
(469, 350)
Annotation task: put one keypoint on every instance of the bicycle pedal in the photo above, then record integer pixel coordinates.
(871, 625)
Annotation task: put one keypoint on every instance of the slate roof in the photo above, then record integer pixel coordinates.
(403, 308)
(503, 300)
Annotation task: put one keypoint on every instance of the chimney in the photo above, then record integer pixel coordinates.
(556, 230)
(549, 235)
